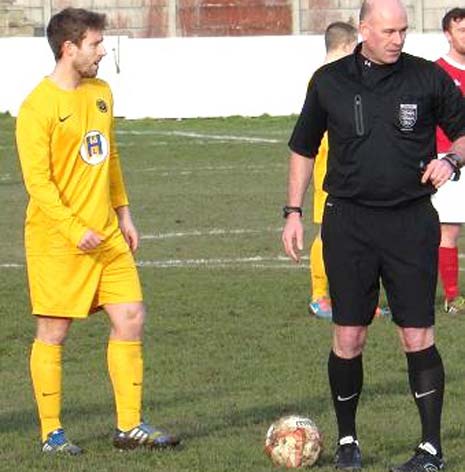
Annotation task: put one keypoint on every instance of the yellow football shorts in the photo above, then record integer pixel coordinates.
(76, 285)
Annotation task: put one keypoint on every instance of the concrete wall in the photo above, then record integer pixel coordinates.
(192, 77)
(187, 18)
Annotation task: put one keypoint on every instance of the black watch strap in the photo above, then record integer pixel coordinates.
(287, 210)
(455, 162)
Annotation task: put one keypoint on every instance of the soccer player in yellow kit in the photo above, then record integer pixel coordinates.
(340, 40)
(79, 235)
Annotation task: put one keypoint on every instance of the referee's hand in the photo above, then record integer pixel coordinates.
(293, 236)
(438, 172)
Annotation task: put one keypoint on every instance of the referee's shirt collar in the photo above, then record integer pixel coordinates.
(369, 71)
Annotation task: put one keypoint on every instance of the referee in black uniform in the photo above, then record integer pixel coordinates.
(380, 107)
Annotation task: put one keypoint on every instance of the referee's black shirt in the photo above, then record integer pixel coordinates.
(381, 123)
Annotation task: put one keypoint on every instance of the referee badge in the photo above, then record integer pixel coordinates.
(408, 113)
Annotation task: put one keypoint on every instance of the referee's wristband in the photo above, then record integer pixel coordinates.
(287, 210)
(455, 162)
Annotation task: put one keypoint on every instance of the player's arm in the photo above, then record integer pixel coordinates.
(450, 110)
(118, 195)
(304, 144)
(300, 173)
(33, 132)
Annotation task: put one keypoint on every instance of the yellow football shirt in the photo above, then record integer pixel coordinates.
(70, 166)
(319, 172)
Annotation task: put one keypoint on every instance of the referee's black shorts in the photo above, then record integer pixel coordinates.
(362, 245)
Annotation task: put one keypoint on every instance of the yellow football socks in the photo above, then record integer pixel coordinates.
(318, 279)
(125, 366)
(45, 365)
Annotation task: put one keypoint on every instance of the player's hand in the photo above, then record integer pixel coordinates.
(438, 172)
(90, 240)
(293, 236)
(127, 228)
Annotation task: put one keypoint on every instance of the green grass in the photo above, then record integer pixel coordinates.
(228, 344)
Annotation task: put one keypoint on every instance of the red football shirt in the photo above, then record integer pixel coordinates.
(457, 72)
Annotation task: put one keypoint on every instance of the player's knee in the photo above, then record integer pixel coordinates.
(417, 339)
(52, 330)
(349, 341)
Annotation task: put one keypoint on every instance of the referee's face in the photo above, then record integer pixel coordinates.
(383, 31)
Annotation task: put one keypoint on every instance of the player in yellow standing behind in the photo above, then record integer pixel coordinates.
(340, 40)
(79, 235)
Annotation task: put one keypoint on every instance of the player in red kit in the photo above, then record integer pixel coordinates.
(448, 201)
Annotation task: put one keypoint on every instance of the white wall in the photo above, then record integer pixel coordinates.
(192, 77)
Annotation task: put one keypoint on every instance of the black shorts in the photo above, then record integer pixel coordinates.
(362, 245)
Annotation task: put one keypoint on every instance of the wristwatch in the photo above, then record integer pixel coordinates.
(456, 162)
(287, 210)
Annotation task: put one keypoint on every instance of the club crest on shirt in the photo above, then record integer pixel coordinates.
(408, 113)
(94, 148)
(101, 105)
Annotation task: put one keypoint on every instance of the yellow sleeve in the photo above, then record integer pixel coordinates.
(33, 142)
(117, 188)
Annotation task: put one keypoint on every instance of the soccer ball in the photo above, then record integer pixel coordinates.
(293, 441)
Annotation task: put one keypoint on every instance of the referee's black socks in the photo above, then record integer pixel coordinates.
(426, 377)
(345, 380)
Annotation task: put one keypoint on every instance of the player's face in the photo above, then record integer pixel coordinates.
(383, 32)
(89, 54)
(456, 36)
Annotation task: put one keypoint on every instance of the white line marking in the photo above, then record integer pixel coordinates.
(191, 134)
(212, 232)
(184, 171)
(211, 261)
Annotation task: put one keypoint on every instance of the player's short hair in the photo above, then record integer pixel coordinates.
(456, 14)
(71, 24)
(338, 34)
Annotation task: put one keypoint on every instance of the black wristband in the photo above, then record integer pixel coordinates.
(455, 162)
(287, 210)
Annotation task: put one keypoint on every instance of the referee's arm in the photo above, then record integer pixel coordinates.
(300, 173)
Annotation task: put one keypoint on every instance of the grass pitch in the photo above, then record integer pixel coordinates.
(229, 346)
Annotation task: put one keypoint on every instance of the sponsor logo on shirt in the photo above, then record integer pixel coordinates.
(408, 116)
(94, 148)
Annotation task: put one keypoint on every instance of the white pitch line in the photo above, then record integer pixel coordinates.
(212, 232)
(188, 171)
(191, 134)
(213, 262)
(260, 262)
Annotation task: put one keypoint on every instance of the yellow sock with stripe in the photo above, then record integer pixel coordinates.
(125, 366)
(45, 365)
(318, 279)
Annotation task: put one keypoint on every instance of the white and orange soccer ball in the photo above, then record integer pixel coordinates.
(293, 441)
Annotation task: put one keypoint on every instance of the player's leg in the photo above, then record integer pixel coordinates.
(45, 366)
(319, 304)
(410, 278)
(121, 296)
(61, 288)
(449, 268)
(353, 273)
(345, 372)
(426, 378)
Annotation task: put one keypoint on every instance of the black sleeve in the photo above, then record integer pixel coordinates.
(311, 124)
(449, 105)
